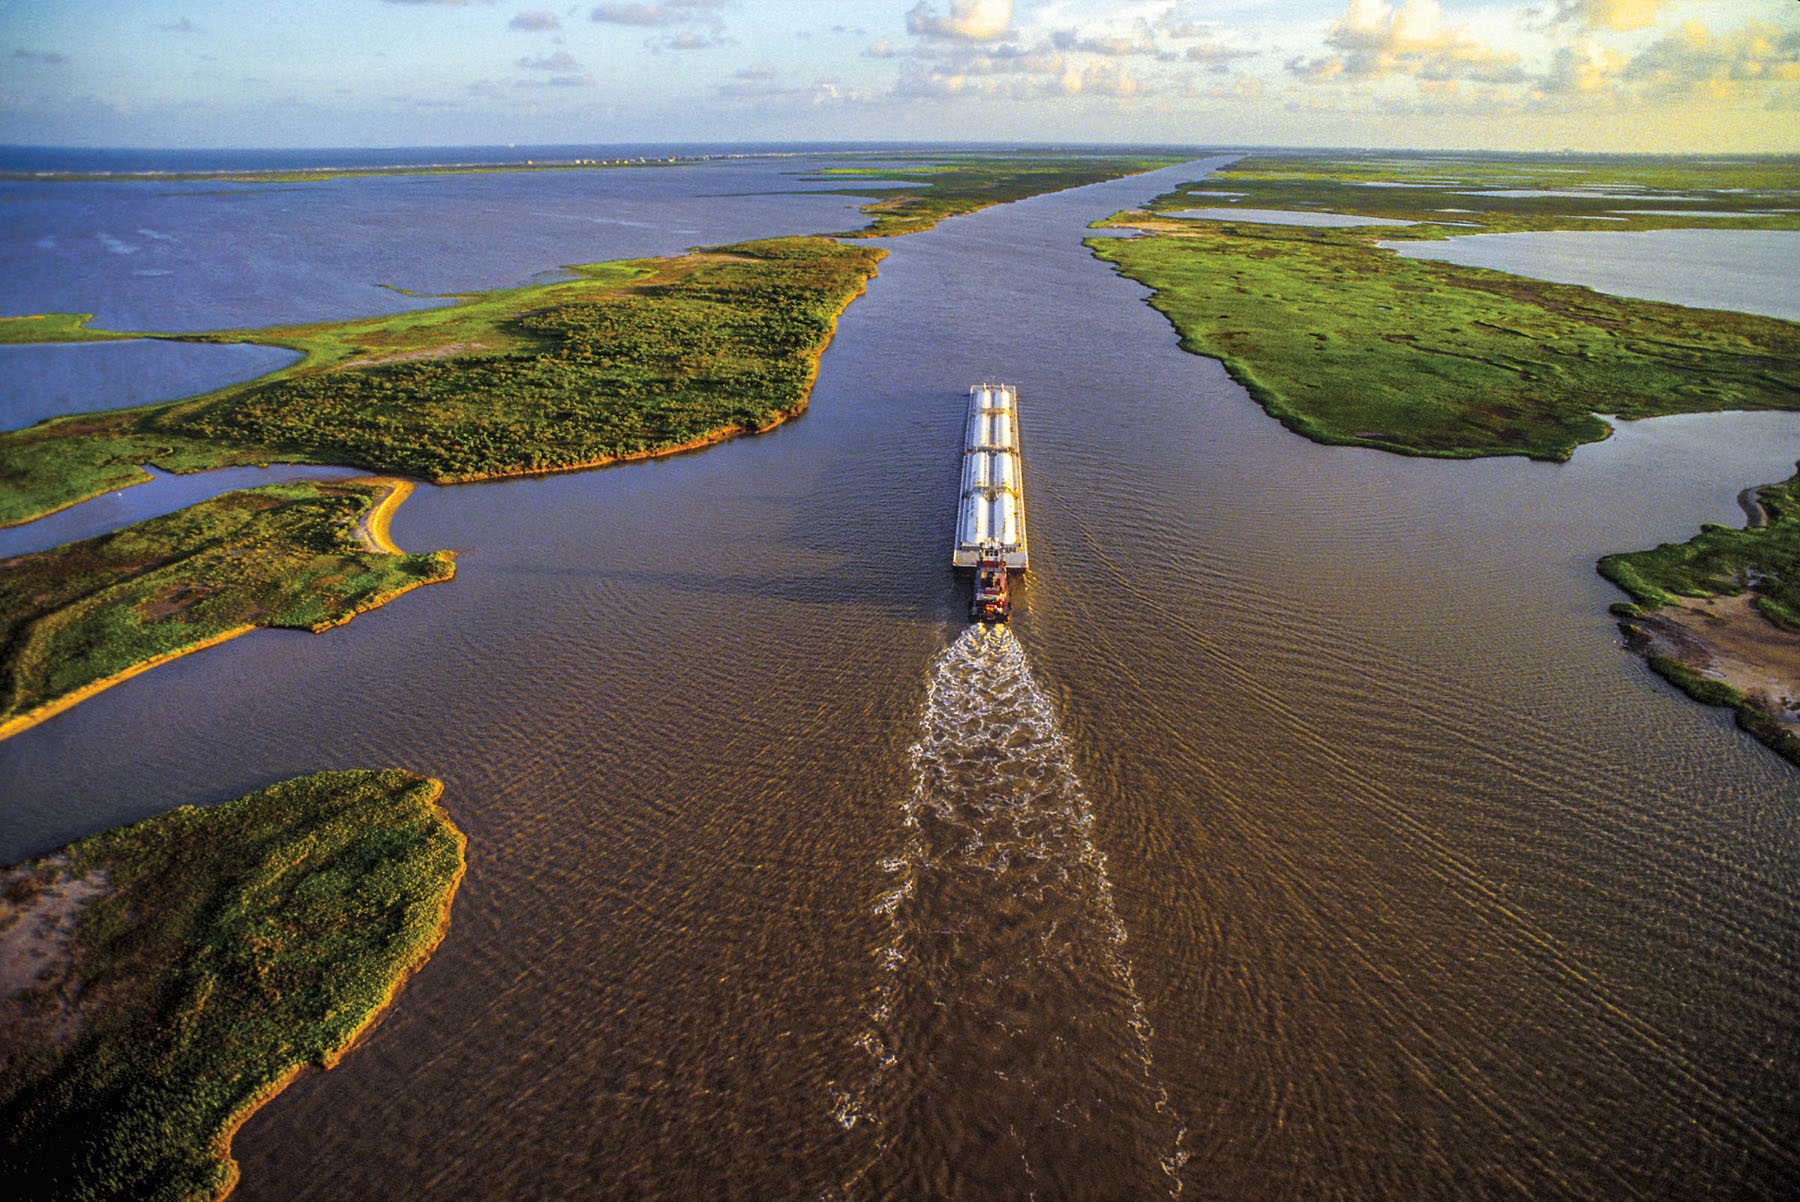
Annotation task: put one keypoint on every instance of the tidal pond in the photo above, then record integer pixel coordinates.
(1749, 271)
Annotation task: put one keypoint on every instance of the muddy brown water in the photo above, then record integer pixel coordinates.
(1307, 835)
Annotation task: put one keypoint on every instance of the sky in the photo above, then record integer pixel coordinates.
(1613, 75)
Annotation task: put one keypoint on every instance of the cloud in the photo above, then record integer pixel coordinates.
(1606, 14)
(1113, 45)
(1583, 69)
(663, 12)
(991, 60)
(758, 79)
(47, 58)
(969, 20)
(1239, 88)
(1214, 53)
(880, 48)
(562, 60)
(182, 26)
(557, 81)
(535, 22)
(1375, 39)
(688, 40)
(1100, 79)
(1694, 58)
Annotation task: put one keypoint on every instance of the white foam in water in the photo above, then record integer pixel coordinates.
(1005, 1000)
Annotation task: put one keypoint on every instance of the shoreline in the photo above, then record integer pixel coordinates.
(221, 1144)
(370, 530)
(49, 709)
(1721, 652)
(150, 1029)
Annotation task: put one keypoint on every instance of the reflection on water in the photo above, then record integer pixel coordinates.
(1011, 1050)
(1748, 271)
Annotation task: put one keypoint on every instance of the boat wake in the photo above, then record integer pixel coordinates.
(1010, 1051)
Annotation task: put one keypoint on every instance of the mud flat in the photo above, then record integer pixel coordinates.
(1716, 616)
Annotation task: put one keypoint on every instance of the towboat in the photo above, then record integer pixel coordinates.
(990, 516)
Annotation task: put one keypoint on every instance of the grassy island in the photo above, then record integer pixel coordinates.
(1346, 342)
(164, 980)
(627, 360)
(1719, 616)
(85, 615)
(949, 186)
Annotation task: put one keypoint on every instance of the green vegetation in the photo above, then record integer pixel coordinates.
(1346, 342)
(1454, 195)
(627, 360)
(222, 950)
(86, 614)
(1749, 717)
(53, 327)
(1722, 561)
(950, 186)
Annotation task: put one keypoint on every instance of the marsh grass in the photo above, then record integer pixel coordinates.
(1724, 561)
(230, 947)
(949, 187)
(78, 615)
(1346, 342)
(627, 359)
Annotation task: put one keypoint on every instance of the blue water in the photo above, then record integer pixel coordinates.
(38, 382)
(170, 256)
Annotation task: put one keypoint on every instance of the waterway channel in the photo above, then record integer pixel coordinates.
(1309, 835)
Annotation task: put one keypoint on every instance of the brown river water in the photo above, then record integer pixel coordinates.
(1308, 834)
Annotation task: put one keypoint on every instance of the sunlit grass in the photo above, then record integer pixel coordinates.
(228, 947)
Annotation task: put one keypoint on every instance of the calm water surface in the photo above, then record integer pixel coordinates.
(50, 380)
(1750, 271)
(1308, 835)
(171, 256)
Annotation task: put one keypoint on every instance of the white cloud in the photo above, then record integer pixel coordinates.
(1693, 58)
(968, 20)
(664, 12)
(1583, 69)
(1116, 45)
(562, 60)
(1607, 14)
(1376, 39)
(533, 22)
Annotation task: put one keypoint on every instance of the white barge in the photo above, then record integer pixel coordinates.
(990, 517)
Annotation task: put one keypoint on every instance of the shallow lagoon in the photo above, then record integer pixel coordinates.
(1747, 271)
(55, 379)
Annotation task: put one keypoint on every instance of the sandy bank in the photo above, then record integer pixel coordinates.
(1726, 639)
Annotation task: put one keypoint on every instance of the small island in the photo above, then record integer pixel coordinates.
(625, 361)
(164, 980)
(1275, 267)
(1346, 342)
(1719, 615)
(81, 617)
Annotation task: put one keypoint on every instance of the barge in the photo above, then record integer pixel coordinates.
(990, 516)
